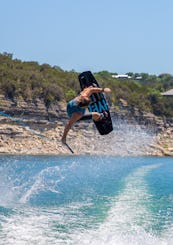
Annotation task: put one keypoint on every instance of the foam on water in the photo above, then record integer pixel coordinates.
(38, 226)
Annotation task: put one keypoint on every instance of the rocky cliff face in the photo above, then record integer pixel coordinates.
(32, 128)
(32, 110)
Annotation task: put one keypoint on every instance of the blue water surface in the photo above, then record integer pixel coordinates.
(86, 200)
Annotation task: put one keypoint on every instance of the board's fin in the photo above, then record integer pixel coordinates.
(70, 149)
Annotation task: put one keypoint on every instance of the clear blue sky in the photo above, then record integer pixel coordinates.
(114, 35)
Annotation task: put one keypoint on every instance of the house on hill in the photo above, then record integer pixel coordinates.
(123, 76)
(168, 93)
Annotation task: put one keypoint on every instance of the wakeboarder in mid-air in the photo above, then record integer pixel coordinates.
(76, 108)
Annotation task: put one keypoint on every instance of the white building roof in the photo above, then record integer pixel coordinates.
(121, 76)
(168, 93)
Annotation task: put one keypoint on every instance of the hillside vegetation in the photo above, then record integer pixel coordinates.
(32, 81)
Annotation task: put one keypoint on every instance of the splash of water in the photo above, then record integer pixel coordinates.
(46, 180)
(125, 140)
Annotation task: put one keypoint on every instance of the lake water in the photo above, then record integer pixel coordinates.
(82, 200)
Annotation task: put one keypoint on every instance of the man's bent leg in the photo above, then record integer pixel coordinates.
(95, 116)
(86, 117)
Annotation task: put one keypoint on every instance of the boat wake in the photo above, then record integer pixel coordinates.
(130, 219)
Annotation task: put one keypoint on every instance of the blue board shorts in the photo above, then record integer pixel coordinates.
(73, 107)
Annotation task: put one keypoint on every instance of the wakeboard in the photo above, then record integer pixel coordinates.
(98, 103)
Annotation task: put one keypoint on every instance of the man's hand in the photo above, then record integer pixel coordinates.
(107, 90)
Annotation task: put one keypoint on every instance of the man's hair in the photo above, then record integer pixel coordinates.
(84, 102)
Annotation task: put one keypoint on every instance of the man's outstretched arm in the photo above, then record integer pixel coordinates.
(98, 90)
